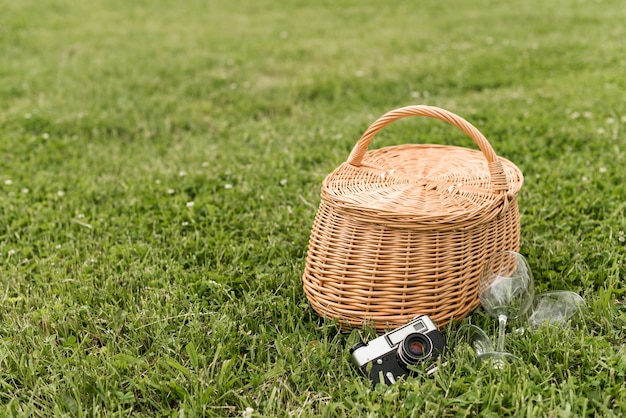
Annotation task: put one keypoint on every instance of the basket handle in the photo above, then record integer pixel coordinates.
(496, 170)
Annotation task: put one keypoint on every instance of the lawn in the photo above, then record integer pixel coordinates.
(160, 169)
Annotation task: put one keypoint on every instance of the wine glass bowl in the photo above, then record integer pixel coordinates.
(554, 308)
(506, 285)
(475, 338)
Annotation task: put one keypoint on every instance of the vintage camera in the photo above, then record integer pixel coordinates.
(388, 357)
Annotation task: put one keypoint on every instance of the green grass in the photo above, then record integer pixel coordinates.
(160, 168)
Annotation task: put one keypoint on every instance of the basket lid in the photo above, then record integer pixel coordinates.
(423, 185)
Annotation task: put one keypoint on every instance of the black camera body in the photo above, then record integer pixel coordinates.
(387, 358)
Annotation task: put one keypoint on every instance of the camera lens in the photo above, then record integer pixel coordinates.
(415, 347)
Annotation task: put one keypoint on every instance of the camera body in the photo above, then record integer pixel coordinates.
(387, 358)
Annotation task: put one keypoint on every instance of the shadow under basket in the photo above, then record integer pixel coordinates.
(405, 230)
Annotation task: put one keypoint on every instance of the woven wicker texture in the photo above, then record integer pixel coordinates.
(405, 230)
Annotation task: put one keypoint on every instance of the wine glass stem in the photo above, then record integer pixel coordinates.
(501, 330)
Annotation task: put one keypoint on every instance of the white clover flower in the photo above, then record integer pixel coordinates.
(61, 193)
(25, 190)
(8, 182)
(45, 135)
(602, 169)
(190, 204)
(247, 413)
(182, 173)
(228, 186)
(171, 191)
(11, 252)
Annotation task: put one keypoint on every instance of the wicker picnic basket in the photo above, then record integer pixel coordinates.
(405, 230)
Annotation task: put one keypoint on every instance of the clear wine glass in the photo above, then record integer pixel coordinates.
(506, 289)
(482, 346)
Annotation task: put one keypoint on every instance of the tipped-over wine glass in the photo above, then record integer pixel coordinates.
(481, 345)
(506, 289)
